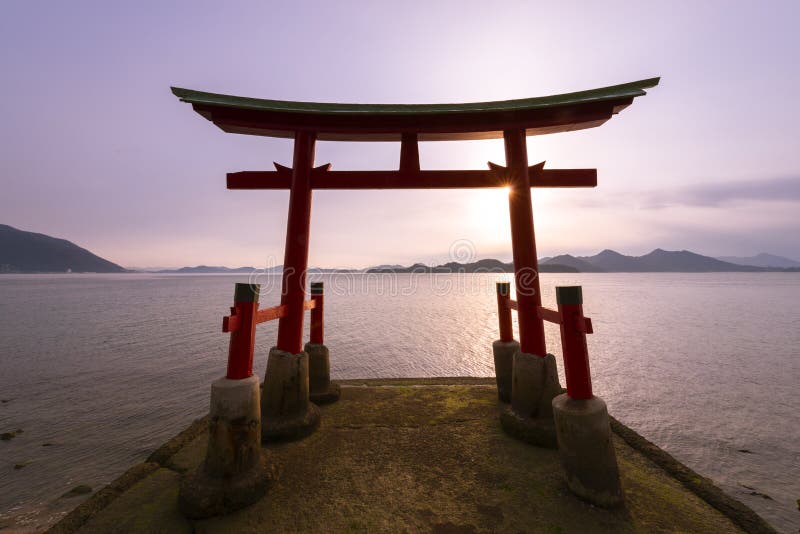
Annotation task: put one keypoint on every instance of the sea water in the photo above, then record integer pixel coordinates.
(99, 370)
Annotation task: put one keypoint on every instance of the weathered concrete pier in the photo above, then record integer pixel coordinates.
(581, 419)
(423, 455)
(234, 473)
(321, 389)
(287, 412)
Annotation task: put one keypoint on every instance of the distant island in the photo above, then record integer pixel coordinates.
(29, 252)
(205, 269)
(762, 260)
(657, 261)
(480, 266)
(278, 269)
(607, 261)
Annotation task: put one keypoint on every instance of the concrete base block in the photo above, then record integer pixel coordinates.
(503, 365)
(534, 384)
(203, 496)
(286, 411)
(234, 473)
(539, 431)
(326, 396)
(290, 428)
(586, 450)
(321, 389)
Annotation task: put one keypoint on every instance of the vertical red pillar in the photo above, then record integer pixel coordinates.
(240, 353)
(573, 342)
(295, 263)
(318, 314)
(504, 312)
(523, 244)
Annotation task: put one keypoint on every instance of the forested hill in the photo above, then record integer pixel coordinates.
(29, 252)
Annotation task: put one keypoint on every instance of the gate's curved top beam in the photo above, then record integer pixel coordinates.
(431, 122)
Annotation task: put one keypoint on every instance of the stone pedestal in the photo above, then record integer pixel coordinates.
(286, 411)
(321, 389)
(586, 450)
(534, 384)
(234, 473)
(503, 365)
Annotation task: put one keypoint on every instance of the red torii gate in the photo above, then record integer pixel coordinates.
(512, 120)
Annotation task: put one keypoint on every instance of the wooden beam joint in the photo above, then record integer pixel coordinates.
(409, 153)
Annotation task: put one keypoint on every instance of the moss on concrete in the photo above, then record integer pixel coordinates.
(416, 458)
(416, 382)
(163, 454)
(699, 485)
(151, 505)
(80, 489)
(98, 502)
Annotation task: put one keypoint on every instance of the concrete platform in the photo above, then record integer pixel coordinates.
(424, 455)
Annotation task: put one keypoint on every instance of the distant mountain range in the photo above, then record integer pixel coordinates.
(607, 261)
(205, 269)
(762, 260)
(28, 252)
(480, 266)
(278, 269)
(659, 260)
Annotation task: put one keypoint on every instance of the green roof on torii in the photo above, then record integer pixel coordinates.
(430, 122)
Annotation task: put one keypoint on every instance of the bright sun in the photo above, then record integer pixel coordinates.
(488, 214)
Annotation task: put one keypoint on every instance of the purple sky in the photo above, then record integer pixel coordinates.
(94, 148)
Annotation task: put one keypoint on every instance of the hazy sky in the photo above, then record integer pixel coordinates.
(94, 147)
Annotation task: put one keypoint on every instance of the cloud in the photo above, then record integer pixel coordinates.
(784, 189)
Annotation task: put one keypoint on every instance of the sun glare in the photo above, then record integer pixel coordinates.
(488, 213)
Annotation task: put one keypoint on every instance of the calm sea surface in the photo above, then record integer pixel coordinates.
(104, 368)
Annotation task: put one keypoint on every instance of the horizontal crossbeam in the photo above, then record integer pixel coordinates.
(582, 324)
(551, 316)
(232, 322)
(321, 178)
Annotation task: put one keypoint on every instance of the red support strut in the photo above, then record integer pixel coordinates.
(574, 327)
(295, 264)
(523, 243)
(240, 354)
(504, 311)
(317, 314)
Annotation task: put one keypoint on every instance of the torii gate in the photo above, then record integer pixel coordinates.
(307, 122)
